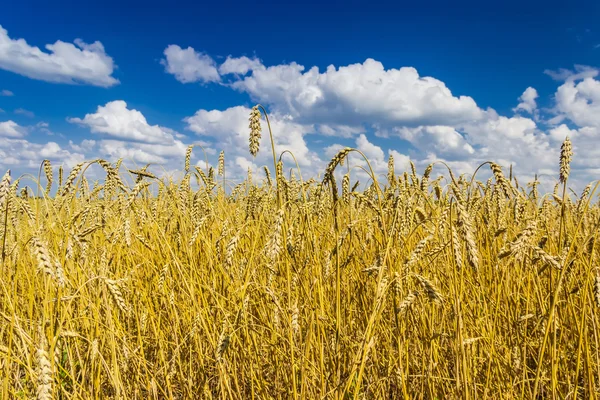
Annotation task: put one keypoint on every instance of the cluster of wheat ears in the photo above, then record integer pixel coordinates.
(410, 287)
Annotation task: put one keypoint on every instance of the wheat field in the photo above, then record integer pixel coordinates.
(395, 287)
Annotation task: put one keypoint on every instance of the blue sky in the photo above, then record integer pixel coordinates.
(489, 55)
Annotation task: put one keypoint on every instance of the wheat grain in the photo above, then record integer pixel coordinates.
(188, 157)
(407, 303)
(566, 154)
(430, 290)
(4, 189)
(44, 369)
(255, 130)
(48, 172)
(117, 295)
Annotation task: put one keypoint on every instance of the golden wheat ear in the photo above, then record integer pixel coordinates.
(45, 376)
(255, 131)
(566, 155)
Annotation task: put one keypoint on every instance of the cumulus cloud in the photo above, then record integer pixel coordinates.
(25, 154)
(441, 139)
(22, 154)
(17, 152)
(5, 92)
(364, 105)
(374, 154)
(189, 65)
(560, 133)
(361, 93)
(71, 63)
(364, 93)
(355, 100)
(378, 159)
(115, 149)
(228, 129)
(11, 129)
(580, 102)
(401, 161)
(85, 146)
(116, 120)
(370, 150)
(527, 101)
(577, 105)
(239, 65)
(125, 133)
(339, 130)
(512, 140)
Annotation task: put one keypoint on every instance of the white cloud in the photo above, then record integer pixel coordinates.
(513, 141)
(11, 129)
(20, 153)
(24, 112)
(239, 65)
(578, 110)
(516, 141)
(362, 93)
(579, 72)
(560, 133)
(339, 130)
(116, 120)
(44, 127)
(85, 146)
(228, 130)
(580, 102)
(190, 66)
(129, 137)
(370, 150)
(527, 101)
(358, 93)
(349, 103)
(401, 161)
(63, 62)
(442, 139)
(374, 154)
(115, 149)
(243, 164)
(353, 100)
(5, 92)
